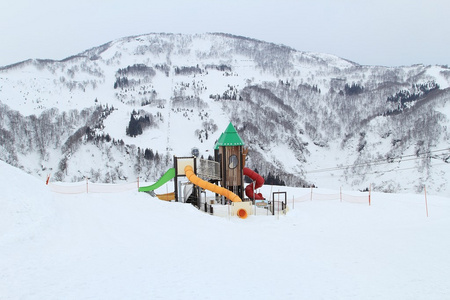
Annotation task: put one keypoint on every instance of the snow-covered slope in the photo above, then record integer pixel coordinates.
(301, 114)
(128, 245)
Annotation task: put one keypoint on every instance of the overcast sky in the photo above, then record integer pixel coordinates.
(383, 32)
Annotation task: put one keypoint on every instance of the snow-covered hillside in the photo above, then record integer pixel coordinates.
(309, 118)
(128, 245)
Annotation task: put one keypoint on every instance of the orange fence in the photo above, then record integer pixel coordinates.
(90, 187)
(314, 196)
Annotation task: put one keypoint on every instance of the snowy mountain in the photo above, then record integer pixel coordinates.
(124, 109)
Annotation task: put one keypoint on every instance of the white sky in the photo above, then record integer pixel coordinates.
(383, 32)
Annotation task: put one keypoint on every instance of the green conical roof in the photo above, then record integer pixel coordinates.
(229, 137)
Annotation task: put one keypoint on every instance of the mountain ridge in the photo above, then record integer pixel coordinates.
(297, 111)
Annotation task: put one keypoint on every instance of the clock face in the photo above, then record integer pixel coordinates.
(232, 161)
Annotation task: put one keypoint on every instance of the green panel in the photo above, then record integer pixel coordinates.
(166, 177)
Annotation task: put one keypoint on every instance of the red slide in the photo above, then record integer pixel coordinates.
(259, 181)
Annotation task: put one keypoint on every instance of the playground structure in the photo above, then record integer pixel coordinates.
(224, 177)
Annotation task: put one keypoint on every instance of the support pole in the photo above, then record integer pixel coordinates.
(278, 205)
(273, 204)
(253, 196)
(175, 181)
(426, 202)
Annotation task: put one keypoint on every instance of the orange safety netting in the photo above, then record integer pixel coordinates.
(89, 187)
(303, 198)
(342, 197)
(316, 196)
(355, 199)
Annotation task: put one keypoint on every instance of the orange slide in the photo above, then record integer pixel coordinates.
(209, 186)
(242, 213)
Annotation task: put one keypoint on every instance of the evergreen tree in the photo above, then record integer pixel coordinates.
(149, 155)
(134, 127)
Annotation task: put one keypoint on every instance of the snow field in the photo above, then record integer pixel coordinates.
(129, 245)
